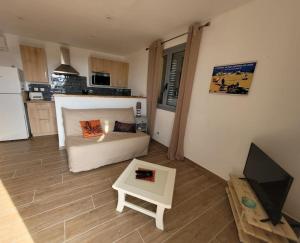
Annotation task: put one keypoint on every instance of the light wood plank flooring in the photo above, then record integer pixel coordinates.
(41, 201)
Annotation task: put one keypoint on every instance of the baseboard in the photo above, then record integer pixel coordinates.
(295, 220)
(155, 141)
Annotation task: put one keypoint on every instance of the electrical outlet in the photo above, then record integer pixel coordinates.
(157, 133)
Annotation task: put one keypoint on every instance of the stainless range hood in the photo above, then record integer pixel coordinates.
(65, 66)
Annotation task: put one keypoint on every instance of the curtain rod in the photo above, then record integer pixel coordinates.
(175, 37)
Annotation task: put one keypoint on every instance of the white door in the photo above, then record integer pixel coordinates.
(9, 80)
(13, 123)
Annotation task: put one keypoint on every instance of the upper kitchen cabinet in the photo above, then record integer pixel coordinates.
(119, 74)
(118, 70)
(34, 64)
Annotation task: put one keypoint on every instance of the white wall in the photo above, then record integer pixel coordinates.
(221, 127)
(163, 126)
(137, 80)
(79, 56)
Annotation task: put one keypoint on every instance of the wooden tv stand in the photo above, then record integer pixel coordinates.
(248, 220)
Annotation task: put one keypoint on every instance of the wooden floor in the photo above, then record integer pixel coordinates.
(41, 201)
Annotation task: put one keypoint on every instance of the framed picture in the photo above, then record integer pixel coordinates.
(232, 79)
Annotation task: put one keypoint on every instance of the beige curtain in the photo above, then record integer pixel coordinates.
(185, 91)
(155, 63)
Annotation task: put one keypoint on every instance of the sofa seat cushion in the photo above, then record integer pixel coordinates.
(90, 153)
(108, 137)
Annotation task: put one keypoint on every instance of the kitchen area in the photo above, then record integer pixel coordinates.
(28, 96)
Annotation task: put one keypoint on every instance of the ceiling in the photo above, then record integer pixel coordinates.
(115, 26)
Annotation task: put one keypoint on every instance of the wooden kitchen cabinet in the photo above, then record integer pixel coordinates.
(42, 118)
(34, 64)
(100, 65)
(118, 70)
(119, 75)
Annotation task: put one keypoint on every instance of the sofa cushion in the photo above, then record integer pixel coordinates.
(91, 128)
(72, 141)
(72, 118)
(125, 127)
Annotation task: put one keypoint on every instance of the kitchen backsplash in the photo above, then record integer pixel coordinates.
(68, 84)
(62, 84)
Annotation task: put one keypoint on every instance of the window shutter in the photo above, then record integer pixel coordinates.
(171, 74)
(174, 78)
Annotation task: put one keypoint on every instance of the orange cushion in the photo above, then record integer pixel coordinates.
(91, 128)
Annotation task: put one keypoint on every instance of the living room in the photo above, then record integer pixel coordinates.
(201, 126)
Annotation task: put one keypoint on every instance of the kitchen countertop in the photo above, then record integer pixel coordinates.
(39, 101)
(97, 96)
(85, 96)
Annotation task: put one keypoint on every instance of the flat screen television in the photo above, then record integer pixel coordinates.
(269, 181)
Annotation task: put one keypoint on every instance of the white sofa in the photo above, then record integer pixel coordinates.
(90, 153)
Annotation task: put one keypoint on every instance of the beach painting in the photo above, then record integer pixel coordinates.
(232, 79)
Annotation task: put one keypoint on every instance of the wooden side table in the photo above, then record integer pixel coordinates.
(141, 123)
(248, 220)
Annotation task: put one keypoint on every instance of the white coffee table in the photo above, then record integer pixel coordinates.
(159, 192)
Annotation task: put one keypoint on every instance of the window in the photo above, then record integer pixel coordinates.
(172, 67)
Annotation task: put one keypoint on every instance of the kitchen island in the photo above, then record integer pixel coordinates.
(92, 102)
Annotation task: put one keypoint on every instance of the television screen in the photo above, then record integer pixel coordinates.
(269, 181)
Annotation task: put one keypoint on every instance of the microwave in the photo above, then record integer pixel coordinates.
(100, 79)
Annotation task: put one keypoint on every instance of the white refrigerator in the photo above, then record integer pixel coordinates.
(13, 121)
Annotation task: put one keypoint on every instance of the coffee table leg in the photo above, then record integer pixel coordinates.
(159, 220)
(121, 201)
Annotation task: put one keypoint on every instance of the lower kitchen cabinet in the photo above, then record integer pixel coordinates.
(42, 118)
